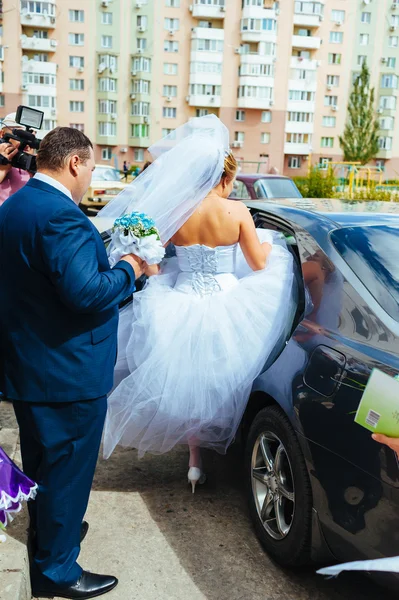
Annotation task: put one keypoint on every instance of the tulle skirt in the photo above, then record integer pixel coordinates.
(186, 363)
(15, 487)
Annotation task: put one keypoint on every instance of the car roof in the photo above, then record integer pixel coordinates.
(332, 211)
(256, 176)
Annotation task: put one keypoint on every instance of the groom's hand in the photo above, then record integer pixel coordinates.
(135, 262)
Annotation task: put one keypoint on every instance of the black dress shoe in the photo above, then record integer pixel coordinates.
(90, 585)
(83, 530)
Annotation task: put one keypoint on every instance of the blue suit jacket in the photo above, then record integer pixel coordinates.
(58, 300)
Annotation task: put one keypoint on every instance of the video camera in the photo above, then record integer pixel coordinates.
(30, 118)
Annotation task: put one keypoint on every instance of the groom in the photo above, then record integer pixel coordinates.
(58, 327)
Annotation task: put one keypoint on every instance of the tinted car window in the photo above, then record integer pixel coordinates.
(106, 174)
(274, 187)
(373, 254)
(240, 191)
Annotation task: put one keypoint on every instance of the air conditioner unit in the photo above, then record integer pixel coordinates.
(187, 98)
(171, 32)
(237, 144)
(105, 3)
(132, 96)
(28, 15)
(321, 18)
(380, 111)
(169, 99)
(383, 60)
(138, 5)
(212, 99)
(190, 8)
(141, 28)
(123, 150)
(139, 51)
(222, 9)
(394, 6)
(393, 27)
(134, 73)
(277, 11)
(329, 87)
(339, 23)
(334, 107)
(53, 43)
(81, 70)
(271, 102)
(101, 68)
(53, 111)
(52, 20)
(237, 50)
(24, 87)
(114, 116)
(146, 119)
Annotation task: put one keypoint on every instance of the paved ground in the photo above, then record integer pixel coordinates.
(166, 544)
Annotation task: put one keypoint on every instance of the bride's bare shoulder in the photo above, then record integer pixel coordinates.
(237, 208)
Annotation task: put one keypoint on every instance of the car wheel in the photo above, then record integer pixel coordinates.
(279, 492)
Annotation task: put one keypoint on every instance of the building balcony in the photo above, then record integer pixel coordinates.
(38, 44)
(1, 87)
(297, 149)
(297, 62)
(257, 12)
(257, 103)
(139, 119)
(256, 80)
(212, 57)
(294, 127)
(306, 85)
(34, 89)
(301, 106)
(309, 42)
(207, 33)
(257, 59)
(384, 154)
(204, 101)
(36, 66)
(42, 21)
(251, 35)
(206, 78)
(138, 142)
(307, 20)
(205, 11)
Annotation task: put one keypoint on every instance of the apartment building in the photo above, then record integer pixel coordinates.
(278, 74)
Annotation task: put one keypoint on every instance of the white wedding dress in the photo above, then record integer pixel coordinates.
(192, 343)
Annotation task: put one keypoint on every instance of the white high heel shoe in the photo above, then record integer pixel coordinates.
(195, 475)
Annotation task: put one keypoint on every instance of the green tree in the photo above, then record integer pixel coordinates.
(360, 139)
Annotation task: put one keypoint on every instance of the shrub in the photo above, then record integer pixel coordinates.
(317, 184)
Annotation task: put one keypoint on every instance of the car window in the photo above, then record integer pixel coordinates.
(240, 191)
(373, 254)
(106, 174)
(276, 187)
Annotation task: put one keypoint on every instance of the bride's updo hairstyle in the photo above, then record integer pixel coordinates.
(230, 168)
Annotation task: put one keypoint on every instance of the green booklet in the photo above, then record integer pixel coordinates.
(379, 406)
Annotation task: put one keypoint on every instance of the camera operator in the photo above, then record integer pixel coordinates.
(11, 179)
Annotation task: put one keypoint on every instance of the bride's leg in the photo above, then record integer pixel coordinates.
(195, 474)
(195, 455)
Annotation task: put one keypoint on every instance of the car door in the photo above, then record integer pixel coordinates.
(240, 191)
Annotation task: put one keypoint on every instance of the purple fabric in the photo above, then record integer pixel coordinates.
(14, 488)
(14, 181)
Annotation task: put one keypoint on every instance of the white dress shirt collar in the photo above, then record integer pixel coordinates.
(54, 183)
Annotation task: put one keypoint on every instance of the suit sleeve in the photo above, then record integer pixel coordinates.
(70, 255)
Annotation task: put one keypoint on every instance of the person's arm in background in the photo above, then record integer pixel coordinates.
(8, 151)
(70, 255)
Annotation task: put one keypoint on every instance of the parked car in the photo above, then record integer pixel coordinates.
(106, 184)
(264, 187)
(319, 488)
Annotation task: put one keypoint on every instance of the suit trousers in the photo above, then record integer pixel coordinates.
(59, 445)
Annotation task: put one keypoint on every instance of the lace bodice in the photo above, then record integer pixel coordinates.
(203, 264)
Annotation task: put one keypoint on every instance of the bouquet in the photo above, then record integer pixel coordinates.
(15, 487)
(136, 234)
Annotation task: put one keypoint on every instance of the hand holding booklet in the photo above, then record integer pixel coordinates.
(378, 410)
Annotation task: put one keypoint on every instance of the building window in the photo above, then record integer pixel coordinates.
(387, 123)
(336, 37)
(2, 100)
(141, 65)
(333, 80)
(239, 136)
(41, 101)
(389, 81)
(364, 39)
(265, 138)
(107, 107)
(171, 46)
(141, 86)
(394, 20)
(39, 8)
(324, 163)
(106, 153)
(258, 25)
(76, 16)
(108, 61)
(76, 106)
(330, 100)
(77, 84)
(171, 24)
(366, 17)
(48, 124)
(166, 132)
(393, 41)
(206, 67)
(201, 112)
(388, 102)
(327, 142)
(338, 16)
(254, 91)
(334, 59)
(142, 22)
(106, 84)
(140, 109)
(169, 90)
(106, 18)
(380, 164)
(257, 70)
(391, 62)
(78, 62)
(37, 79)
(240, 115)
(266, 116)
(140, 131)
(294, 162)
(200, 89)
(301, 96)
(385, 143)
(172, 3)
(139, 154)
(329, 121)
(205, 45)
(76, 39)
(106, 41)
(78, 126)
(300, 117)
(107, 129)
(361, 60)
(170, 69)
(169, 112)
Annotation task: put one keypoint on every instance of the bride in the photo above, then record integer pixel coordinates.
(194, 340)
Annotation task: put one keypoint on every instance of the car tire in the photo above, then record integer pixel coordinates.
(279, 494)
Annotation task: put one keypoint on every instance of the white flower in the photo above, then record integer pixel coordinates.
(149, 248)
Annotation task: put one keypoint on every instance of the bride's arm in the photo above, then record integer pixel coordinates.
(151, 270)
(256, 254)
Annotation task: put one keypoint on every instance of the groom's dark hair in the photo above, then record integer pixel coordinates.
(61, 143)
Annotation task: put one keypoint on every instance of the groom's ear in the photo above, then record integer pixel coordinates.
(74, 164)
